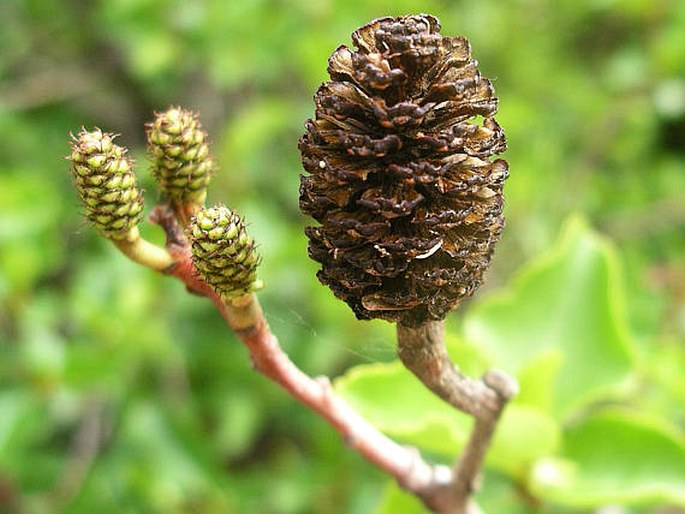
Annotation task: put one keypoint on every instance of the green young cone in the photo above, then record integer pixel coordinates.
(223, 254)
(105, 183)
(179, 151)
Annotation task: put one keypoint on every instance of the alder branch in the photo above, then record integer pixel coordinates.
(431, 483)
(422, 351)
(443, 489)
(245, 318)
(224, 255)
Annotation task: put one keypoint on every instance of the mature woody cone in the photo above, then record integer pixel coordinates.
(401, 176)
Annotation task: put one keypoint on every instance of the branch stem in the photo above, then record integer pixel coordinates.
(442, 489)
(422, 350)
(244, 316)
(143, 252)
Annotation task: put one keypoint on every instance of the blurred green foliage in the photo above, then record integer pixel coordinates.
(121, 393)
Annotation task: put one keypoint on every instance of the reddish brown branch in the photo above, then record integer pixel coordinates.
(443, 490)
(404, 464)
(244, 316)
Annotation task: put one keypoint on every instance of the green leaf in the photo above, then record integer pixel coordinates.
(27, 232)
(615, 458)
(665, 368)
(15, 407)
(396, 403)
(397, 501)
(154, 463)
(370, 388)
(499, 494)
(564, 311)
(524, 435)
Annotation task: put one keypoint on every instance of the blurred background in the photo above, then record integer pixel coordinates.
(120, 393)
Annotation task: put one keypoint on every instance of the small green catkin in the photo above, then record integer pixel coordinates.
(179, 151)
(105, 182)
(223, 253)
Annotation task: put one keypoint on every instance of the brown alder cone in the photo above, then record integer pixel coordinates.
(400, 172)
